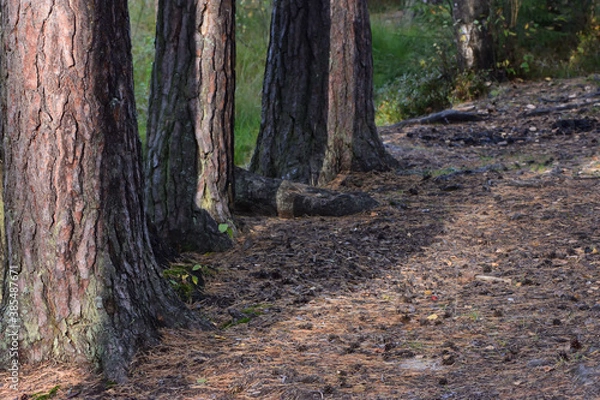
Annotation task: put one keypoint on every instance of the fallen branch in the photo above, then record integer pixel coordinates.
(444, 117)
(550, 110)
(530, 183)
(564, 99)
(489, 278)
(256, 194)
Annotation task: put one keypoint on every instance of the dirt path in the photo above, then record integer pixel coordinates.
(477, 277)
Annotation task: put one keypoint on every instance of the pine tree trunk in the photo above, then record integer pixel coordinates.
(473, 37)
(189, 171)
(318, 117)
(293, 131)
(82, 284)
(353, 142)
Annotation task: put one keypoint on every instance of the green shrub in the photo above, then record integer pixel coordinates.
(414, 63)
(540, 41)
(468, 86)
(586, 58)
(187, 280)
(411, 95)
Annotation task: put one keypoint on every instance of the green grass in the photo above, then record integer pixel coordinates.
(143, 28)
(46, 396)
(396, 49)
(252, 39)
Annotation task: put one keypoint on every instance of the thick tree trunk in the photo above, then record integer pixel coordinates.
(473, 36)
(82, 282)
(189, 170)
(293, 131)
(353, 142)
(318, 117)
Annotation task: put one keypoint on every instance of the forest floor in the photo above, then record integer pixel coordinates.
(477, 276)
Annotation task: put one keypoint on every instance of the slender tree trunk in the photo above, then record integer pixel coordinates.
(473, 36)
(353, 142)
(189, 171)
(82, 284)
(293, 131)
(318, 117)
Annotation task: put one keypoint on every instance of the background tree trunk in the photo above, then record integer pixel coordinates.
(189, 171)
(353, 142)
(318, 116)
(473, 37)
(89, 289)
(293, 130)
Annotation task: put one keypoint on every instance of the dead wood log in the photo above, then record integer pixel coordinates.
(489, 278)
(444, 117)
(255, 194)
(564, 107)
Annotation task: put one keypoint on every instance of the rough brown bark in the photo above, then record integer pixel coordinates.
(89, 288)
(318, 117)
(259, 195)
(293, 130)
(473, 36)
(3, 246)
(189, 170)
(353, 142)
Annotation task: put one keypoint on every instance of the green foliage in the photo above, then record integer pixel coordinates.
(187, 279)
(411, 95)
(234, 322)
(533, 39)
(416, 75)
(46, 396)
(226, 228)
(469, 85)
(441, 172)
(538, 38)
(586, 57)
(247, 315)
(416, 94)
(257, 309)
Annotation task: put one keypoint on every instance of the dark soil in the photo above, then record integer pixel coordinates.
(477, 276)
